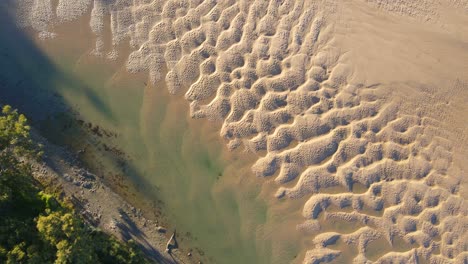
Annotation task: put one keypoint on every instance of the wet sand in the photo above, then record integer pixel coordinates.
(144, 144)
(353, 112)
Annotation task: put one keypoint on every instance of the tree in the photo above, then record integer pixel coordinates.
(67, 233)
(14, 142)
(35, 227)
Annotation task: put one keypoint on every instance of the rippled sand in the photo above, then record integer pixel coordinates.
(356, 107)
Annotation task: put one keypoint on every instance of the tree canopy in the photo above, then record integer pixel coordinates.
(35, 227)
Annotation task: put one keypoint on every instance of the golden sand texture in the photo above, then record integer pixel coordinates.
(359, 94)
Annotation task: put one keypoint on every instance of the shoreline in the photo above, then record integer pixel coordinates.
(58, 118)
(103, 208)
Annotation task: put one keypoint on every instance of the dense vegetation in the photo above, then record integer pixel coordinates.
(35, 227)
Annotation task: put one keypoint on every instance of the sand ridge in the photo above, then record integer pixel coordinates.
(328, 94)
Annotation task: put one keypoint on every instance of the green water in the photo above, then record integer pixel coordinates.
(179, 164)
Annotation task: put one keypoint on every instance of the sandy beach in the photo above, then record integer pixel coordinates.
(352, 112)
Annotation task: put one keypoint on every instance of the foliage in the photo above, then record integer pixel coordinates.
(34, 226)
(14, 134)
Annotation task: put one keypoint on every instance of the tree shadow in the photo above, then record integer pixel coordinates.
(28, 79)
(28, 82)
(129, 230)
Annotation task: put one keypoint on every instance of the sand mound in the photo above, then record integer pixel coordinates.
(366, 96)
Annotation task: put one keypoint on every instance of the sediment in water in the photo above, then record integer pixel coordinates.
(367, 97)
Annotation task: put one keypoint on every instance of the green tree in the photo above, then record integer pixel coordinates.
(14, 131)
(67, 233)
(35, 227)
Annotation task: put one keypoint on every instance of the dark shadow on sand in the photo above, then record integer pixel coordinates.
(28, 81)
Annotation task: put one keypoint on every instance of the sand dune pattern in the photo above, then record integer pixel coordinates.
(271, 72)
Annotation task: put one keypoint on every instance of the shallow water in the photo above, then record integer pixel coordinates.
(179, 165)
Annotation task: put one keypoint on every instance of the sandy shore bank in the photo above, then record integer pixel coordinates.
(101, 207)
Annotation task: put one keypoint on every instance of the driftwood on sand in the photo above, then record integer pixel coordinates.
(172, 243)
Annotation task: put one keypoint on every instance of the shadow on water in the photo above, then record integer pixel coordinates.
(28, 82)
(142, 136)
(28, 79)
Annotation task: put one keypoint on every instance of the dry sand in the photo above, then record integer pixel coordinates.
(367, 95)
